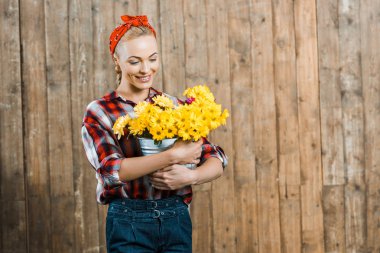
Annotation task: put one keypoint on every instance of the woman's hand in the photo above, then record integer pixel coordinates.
(173, 177)
(184, 152)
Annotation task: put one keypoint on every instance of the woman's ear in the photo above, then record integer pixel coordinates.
(115, 59)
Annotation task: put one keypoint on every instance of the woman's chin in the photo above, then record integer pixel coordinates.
(143, 86)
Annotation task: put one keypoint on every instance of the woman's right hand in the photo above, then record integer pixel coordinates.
(184, 152)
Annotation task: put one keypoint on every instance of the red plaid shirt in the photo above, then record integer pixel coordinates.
(105, 152)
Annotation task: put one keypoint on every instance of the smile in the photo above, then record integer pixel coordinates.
(144, 79)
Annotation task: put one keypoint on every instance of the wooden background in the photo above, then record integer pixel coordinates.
(301, 79)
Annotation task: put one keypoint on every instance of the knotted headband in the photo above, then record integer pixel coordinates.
(129, 21)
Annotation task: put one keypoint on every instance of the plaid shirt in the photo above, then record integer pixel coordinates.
(105, 152)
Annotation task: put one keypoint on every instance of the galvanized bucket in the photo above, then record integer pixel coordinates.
(148, 147)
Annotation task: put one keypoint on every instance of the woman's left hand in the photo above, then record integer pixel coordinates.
(173, 177)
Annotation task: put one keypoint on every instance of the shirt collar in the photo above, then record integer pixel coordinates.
(114, 95)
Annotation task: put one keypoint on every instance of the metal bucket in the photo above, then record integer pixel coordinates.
(148, 147)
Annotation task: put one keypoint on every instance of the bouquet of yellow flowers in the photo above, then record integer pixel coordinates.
(162, 119)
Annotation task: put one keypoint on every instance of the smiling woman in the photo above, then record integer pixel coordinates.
(137, 60)
(148, 196)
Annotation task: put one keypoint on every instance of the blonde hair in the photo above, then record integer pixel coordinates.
(133, 33)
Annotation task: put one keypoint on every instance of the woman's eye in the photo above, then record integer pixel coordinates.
(134, 62)
(153, 60)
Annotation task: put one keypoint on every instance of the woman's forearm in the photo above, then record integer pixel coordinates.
(210, 170)
(181, 153)
(135, 167)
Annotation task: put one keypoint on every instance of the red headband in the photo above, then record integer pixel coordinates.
(123, 28)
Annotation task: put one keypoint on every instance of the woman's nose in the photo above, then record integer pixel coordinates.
(145, 67)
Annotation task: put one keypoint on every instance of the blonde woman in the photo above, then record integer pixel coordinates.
(148, 196)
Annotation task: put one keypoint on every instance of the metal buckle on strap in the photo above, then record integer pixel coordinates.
(156, 214)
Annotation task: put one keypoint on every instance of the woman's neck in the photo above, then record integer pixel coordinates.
(132, 93)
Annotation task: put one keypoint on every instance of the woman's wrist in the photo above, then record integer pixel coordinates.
(172, 158)
(194, 177)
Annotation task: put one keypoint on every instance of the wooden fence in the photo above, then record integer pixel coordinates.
(301, 79)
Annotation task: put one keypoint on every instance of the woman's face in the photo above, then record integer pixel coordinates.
(138, 61)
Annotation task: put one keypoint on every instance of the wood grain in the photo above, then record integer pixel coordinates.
(172, 47)
(331, 125)
(200, 210)
(333, 218)
(330, 95)
(309, 126)
(104, 77)
(264, 111)
(287, 129)
(36, 134)
(194, 20)
(13, 218)
(243, 160)
(60, 132)
(370, 65)
(353, 125)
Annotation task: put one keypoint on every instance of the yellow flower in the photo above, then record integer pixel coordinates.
(137, 126)
(141, 108)
(203, 130)
(171, 132)
(155, 121)
(199, 92)
(158, 133)
(162, 119)
(184, 133)
(119, 125)
(163, 101)
(167, 118)
(224, 117)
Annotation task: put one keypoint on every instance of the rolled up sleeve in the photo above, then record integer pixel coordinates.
(211, 150)
(102, 150)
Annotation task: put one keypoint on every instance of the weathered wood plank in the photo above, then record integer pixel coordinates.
(36, 135)
(200, 211)
(82, 92)
(104, 68)
(264, 111)
(287, 129)
(353, 124)
(331, 125)
(151, 8)
(309, 126)
(172, 47)
(13, 218)
(59, 125)
(195, 42)
(243, 159)
(333, 218)
(370, 66)
(330, 96)
(223, 212)
(124, 7)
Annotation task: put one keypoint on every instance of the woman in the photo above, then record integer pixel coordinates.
(148, 196)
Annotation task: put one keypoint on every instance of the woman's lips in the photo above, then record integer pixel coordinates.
(144, 79)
